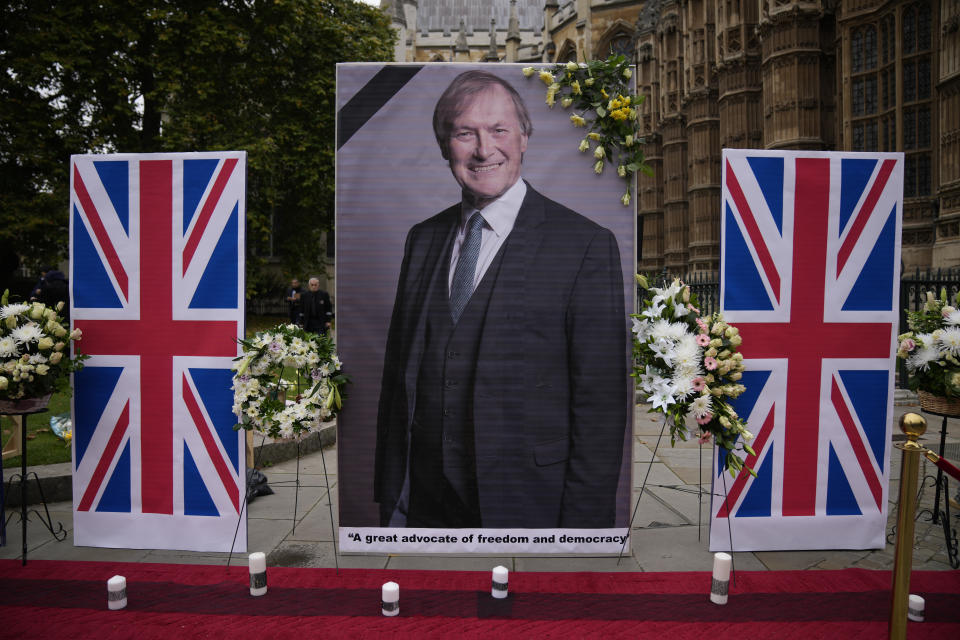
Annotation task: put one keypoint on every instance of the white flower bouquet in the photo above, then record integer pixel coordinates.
(688, 367)
(931, 349)
(34, 350)
(279, 363)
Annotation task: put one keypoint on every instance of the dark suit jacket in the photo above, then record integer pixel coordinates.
(550, 391)
(317, 310)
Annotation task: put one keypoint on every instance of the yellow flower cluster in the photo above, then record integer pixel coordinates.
(619, 108)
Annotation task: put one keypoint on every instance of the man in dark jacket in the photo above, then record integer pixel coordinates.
(317, 308)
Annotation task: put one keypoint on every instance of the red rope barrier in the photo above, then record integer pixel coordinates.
(948, 467)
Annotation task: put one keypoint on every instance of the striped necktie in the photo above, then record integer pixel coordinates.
(462, 287)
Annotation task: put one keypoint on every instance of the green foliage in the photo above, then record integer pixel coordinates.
(141, 76)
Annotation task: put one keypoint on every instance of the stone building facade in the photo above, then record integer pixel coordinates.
(862, 75)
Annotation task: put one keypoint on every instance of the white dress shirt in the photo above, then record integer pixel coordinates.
(499, 216)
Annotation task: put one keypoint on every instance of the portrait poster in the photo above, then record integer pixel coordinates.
(543, 376)
(810, 275)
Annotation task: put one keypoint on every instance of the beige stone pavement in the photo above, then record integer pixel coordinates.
(670, 531)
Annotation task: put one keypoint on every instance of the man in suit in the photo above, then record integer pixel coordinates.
(317, 308)
(504, 393)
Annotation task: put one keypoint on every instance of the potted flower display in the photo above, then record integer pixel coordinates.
(287, 382)
(688, 368)
(35, 357)
(931, 353)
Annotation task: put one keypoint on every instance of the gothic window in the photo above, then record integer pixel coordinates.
(915, 97)
(864, 87)
(621, 45)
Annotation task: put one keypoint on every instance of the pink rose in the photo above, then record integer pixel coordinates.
(908, 344)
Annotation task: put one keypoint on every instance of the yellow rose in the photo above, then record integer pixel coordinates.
(575, 87)
(49, 314)
(566, 102)
(11, 322)
(622, 172)
(60, 331)
(584, 145)
(588, 82)
(627, 73)
(42, 369)
(628, 141)
(736, 341)
(546, 77)
(527, 71)
(599, 153)
(44, 343)
(625, 199)
(594, 136)
(571, 66)
(736, 376)
(59, 346)
(76, 334)
(577, 121)
(598, 167)
(4, 383)
(55, 357)
(625, 101)
(36, 311)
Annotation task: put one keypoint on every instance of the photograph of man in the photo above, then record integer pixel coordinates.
(316, 308)
(503, 400)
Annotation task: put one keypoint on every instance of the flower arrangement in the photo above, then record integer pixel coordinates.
(688, 366)
(34, 350)
(279, 363)
(931, 349)
(600, 95)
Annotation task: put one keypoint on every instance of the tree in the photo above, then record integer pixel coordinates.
(179, 75)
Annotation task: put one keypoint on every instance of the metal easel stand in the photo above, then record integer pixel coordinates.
(59, 534)
(940, 513)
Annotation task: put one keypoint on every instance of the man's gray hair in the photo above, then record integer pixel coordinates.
(463, 87)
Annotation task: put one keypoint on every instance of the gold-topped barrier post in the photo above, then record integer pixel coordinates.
(914, 426)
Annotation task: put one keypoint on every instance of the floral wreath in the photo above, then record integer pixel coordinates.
(35, 350)
(687, 365)
(601, 95)
(287, 383)
(931, 349)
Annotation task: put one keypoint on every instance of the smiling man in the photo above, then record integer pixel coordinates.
(503, 401)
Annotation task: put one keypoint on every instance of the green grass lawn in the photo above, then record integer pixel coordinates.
(43, 447)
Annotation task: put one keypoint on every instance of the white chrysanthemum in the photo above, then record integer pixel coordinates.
(949, 341)
(8, 347)
(922, 357)
(660, 330)
(37, 358)
(701, 405)
(687, 356)
(13, 310)
(682, 384)
(30, 332)
(677, 330)
(953, 318)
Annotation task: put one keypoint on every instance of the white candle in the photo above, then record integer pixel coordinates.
(915, 607)
(117, 592)
(499, 588)
(258, 574)
(721, 577)
(390, 599)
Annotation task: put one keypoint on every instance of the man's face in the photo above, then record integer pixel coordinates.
(314, 285)
(486, 146)
(295, 283)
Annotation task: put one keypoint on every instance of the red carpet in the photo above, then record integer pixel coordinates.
(68, 600)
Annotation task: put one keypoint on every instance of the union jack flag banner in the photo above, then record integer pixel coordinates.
(157, 287)
(810, 274)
